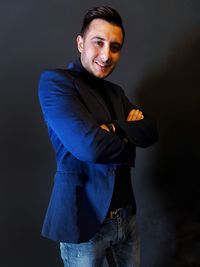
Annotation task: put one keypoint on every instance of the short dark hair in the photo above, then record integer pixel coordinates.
(106, 13)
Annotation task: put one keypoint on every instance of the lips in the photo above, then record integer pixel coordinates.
(102, 66)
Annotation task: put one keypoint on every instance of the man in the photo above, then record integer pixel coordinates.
(94, 129)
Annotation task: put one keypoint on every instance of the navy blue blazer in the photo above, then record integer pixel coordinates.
(87, 156)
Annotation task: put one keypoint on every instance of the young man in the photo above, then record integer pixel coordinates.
(94, 129)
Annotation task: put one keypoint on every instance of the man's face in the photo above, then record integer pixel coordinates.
(100, 47)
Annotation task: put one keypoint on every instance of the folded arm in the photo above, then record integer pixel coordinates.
(78, 131)
(137, 127)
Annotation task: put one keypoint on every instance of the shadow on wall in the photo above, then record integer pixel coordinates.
(172, 95)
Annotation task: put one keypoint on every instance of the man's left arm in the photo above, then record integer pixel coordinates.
(138, 128)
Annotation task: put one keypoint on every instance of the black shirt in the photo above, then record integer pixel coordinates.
(123, 195)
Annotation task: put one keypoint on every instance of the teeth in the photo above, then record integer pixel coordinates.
(102, 66)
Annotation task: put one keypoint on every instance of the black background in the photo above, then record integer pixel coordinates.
(159, 70)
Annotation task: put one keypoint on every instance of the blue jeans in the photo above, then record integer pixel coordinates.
(117, 240)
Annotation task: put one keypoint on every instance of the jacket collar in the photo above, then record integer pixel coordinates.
(77, 68)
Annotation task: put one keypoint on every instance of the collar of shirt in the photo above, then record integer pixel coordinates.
(77, 68)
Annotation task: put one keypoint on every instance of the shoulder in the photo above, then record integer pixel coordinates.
(55, 81)
(51, 77)
(55, 74)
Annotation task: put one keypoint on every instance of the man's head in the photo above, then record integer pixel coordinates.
(100, 41)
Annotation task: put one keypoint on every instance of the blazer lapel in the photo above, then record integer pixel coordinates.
(91, 98)
(116, 101)
(93, 101)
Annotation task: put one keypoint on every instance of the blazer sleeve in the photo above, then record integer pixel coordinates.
(77, 130)
(141, 133)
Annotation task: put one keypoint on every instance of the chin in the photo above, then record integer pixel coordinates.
(102, 75)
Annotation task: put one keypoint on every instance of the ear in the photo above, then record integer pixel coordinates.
(79, 41)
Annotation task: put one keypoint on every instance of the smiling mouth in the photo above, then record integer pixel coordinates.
(102, 66)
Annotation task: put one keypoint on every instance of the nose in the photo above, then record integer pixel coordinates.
(105, 54)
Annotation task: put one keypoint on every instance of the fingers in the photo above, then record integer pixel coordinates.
(134, 115)
(104, 127)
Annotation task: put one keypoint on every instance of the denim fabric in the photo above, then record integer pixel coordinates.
(117, 241)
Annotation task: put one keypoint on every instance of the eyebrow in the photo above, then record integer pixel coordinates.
(97, 37)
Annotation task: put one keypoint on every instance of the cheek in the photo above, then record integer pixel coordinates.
(95, 52)
(116, 58)
(90, 54)
(92, 51)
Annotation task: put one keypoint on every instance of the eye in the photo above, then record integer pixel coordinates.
(115, 48)
(99, 43)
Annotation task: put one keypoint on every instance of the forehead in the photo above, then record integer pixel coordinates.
(103, 29)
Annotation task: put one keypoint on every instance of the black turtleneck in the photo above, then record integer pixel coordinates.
(123, 194)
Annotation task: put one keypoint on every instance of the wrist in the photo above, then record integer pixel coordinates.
(111, 127)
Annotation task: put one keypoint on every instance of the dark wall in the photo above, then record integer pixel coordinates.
(159, 70)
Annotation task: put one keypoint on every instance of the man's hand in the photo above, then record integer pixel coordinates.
(135, 115)
(104, 127)
(109, 127)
